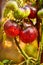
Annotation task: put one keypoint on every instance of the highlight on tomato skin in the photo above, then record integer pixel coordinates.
(28, 35)
(11, 29)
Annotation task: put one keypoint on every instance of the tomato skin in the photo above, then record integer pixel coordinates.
(33, 13)
(11, 29)
(28, 35)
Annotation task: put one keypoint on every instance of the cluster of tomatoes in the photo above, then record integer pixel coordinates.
(28, 34)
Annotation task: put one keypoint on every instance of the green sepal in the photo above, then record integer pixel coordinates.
(5, 61)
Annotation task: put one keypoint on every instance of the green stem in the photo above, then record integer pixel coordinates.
(38, 28)
(27, 62)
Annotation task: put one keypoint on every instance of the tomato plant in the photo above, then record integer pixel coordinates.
(18, 25)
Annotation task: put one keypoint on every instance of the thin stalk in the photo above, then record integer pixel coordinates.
(23, 53)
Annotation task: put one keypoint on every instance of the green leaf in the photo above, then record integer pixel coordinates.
(5, 61)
